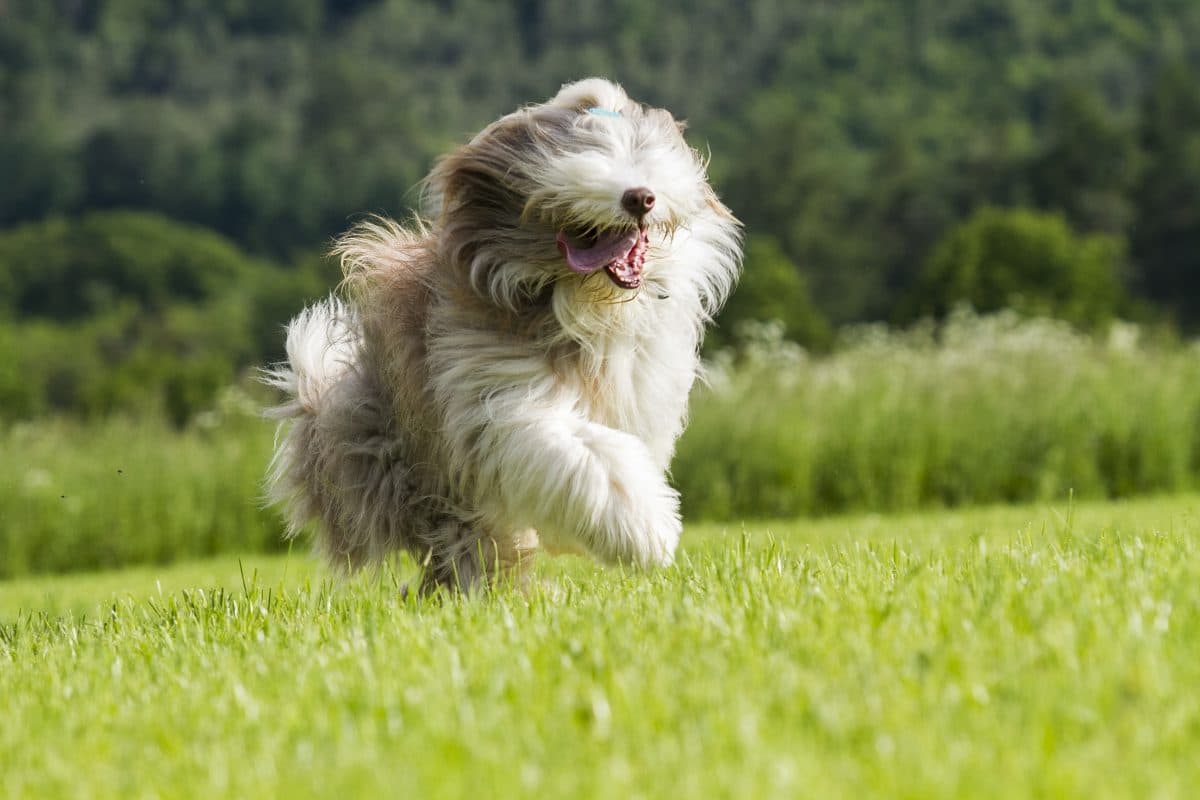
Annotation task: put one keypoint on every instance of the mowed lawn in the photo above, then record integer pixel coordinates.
(1042, 651)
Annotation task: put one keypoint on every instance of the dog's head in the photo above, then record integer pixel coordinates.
(587, 192)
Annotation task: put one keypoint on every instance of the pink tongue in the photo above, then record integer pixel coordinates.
(608, 249)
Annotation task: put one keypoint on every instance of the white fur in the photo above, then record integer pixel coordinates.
(472, 390)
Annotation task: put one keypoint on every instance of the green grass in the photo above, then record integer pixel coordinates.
(1004, 652)
(992, 409)
(123, 491)
(984, 410)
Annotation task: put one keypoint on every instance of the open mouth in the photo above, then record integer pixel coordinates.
(620, 253)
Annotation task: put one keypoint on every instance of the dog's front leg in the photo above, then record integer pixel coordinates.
(585, 484)
(529, 459)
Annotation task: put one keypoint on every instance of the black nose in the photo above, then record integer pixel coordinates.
(638, 201)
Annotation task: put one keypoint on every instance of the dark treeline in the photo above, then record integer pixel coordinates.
(860, 140)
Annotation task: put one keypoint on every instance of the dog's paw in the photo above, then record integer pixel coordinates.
(636, 518)
(653, 540)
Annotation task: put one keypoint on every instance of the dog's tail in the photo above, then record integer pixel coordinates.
(334, 456)
(322, 344)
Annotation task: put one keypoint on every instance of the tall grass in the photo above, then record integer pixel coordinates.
(78, 496)
(985, 409)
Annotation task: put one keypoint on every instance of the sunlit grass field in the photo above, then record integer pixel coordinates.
(985, 410)
(1046, 650)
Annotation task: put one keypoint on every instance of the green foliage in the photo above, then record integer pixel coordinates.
(771, 288)
(992, 410)
(83, 497)
(1024, 260)
(1009, 653)
(69, 269)
(854, 134)
(1089, 162)
(995, 409)
(131, 311)
(1166, 239)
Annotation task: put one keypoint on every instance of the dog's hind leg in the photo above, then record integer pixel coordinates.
(339, 459)
(461, 557)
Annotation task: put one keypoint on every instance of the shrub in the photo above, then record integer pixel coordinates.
(72, 269)
(1025, 260)
(124, 490)
(771, 288)
(992, 409)
(131, 311)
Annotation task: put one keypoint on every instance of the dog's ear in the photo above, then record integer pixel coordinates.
(478, 194)
(481, 173)
(494, 173)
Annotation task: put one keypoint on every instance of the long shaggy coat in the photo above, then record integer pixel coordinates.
(513, 371)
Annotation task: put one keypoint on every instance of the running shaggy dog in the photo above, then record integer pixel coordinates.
(514, 371)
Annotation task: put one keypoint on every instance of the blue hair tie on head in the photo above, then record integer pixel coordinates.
(603, 112)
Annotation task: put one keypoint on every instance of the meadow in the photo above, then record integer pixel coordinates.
(1045, 650)
(122, 491)
(911, 568)
(957, 559)
(982, 410)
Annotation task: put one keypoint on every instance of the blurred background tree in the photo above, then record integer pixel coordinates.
(882, 153)
(131, 310)
(1024, 260)
(772, 288)
(1166, 233)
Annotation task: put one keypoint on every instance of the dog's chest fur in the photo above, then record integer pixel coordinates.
(638, 384)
